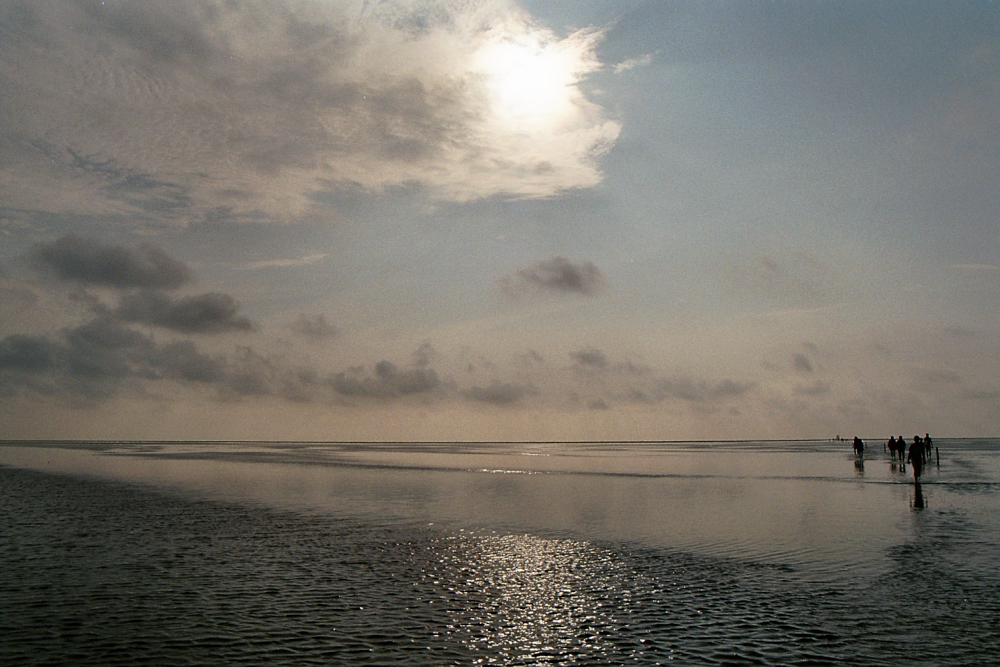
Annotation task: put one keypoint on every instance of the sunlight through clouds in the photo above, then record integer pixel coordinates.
(204, 109)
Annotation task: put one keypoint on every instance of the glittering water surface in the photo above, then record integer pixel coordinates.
(724, 554)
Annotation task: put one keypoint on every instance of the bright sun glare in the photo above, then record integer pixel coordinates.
(528, 82)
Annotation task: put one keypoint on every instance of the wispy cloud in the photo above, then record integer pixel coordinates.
(286, 263)
(632, 63)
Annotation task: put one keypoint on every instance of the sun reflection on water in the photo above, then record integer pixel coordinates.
(534, 600)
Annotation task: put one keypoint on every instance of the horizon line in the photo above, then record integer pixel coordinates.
(6, 441)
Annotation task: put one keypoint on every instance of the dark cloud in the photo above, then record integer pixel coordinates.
(213, 312)
(183, 361)
(95, 360)
(557, 275)
(314, 327)
(590, 357)
(499, 393)
(801, 363)
(103, 350)
(598, 404)
(27, 354)
(89, 261)
(387, 381)
(88, 362)
(423, 355)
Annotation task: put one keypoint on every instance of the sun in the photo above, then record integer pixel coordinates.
(527, 81)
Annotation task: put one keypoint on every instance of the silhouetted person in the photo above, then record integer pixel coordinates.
(916, 457)
(892, 446)
(859, 446)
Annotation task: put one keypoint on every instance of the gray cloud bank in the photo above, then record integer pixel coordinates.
(107, 355)
(150, 343)
(207, 108)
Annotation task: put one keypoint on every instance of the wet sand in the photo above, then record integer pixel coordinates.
(523, 553)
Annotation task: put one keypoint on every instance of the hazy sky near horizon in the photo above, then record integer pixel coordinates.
(491, 220)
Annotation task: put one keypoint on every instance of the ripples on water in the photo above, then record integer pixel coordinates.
(107, 573)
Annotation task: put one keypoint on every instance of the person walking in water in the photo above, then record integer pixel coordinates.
(916, 457)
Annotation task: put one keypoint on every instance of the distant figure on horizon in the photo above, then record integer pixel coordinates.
(916, 458)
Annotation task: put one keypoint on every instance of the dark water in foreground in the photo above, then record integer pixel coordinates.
(510, 555)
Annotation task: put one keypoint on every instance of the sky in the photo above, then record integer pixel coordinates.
(483, 220)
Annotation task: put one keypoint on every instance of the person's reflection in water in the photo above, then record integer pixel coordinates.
(918, 497)
(859, 467)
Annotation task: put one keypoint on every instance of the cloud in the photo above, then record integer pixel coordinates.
(797, 280)
(700, 391)
(183, 361)
(818, 388)
(27, 354)
(314, 327)
(556, 275)
(388, 381)
(632, 63)
(801, 363)
(90, 362)
(286, 263)
(590, 357)
(96, 360)
(423, 355)
(499, 393)
(91, 262)
(206, 108)
(213, 312)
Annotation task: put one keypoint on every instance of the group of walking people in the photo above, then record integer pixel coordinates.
(919, 453)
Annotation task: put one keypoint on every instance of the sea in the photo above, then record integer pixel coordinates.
(545, 553)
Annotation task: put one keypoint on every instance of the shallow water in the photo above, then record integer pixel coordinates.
(514, 554)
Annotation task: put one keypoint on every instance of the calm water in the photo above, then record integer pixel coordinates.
(507, 554)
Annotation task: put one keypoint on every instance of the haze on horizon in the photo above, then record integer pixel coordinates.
(490, 220)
